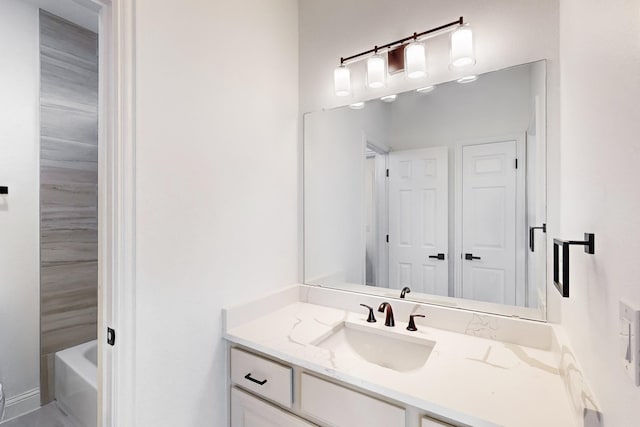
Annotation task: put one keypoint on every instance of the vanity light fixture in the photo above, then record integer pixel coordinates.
(467, 79)
(376, 71)
(388, 98)
(462, 47)
(357, 106)
(425, 89)
(415, 62)
(415, 57)
(342, 81)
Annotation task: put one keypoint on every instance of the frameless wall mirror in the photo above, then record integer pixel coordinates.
(441, 190)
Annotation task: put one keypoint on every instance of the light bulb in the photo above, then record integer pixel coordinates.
(462, 50)
(357, 105)
(415, 61)
(342, 81)
(388, 98)
(376, 72)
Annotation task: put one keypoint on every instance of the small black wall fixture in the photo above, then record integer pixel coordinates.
(589, 243)
(4, 190)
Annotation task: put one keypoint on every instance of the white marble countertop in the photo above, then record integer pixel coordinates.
(472, 380)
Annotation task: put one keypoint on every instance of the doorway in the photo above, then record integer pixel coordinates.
(103, 241)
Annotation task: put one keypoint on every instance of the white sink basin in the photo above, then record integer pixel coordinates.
(384, 348)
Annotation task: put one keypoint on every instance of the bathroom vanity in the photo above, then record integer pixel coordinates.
(307, 356)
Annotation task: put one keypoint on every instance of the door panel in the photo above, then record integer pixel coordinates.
(489, 222)
(418, 220)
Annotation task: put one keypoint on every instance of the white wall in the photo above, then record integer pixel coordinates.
(506, 34)
(334, 190)
(19, 243)
(600, 49)
(496, 104)
(217, 184)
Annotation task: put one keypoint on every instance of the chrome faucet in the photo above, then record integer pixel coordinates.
(385, 307)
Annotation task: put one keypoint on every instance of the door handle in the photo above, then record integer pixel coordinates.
(532, 231)
(439, 256)
(470, 257)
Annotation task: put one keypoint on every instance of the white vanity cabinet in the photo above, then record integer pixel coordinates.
(266, 393)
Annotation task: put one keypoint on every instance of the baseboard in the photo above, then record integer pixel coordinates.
(21, 404)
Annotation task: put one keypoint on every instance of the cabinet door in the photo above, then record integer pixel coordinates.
(249, 411)
(339, 406)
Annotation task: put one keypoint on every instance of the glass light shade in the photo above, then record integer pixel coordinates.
(357, 105)
(342, 81)
(462, 50)
(376, 72)
(415, 60)
(388, 98)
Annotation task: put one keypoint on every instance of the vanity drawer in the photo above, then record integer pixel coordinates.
(261, 376)
(341, 407)
(430, 422)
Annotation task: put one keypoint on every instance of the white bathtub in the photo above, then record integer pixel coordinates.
(76, 382)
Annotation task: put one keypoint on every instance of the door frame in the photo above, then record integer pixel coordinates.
(521, 197)
(381, 212)
(116, 211)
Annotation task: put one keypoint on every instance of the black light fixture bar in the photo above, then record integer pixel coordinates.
(415, 36)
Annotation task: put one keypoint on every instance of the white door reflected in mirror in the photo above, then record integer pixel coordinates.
(418, 220)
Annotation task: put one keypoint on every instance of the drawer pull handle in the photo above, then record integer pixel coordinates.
(248, 376)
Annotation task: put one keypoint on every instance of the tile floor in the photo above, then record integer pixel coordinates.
(47, 416)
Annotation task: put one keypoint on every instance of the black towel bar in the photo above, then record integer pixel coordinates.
(589, 248)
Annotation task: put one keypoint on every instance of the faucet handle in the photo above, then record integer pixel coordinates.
(405, 290)
(412, 323)
(372, 317)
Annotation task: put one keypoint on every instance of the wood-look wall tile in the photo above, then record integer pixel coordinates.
(60, 34)
(68, 154)
(65, 197)
(47, 381)
(61, 123)
(62, 86)
(68, 190)
(68, 276)
(60, 339)
(61, 308)
(79, 251)
(55, 175)
(71, 164)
